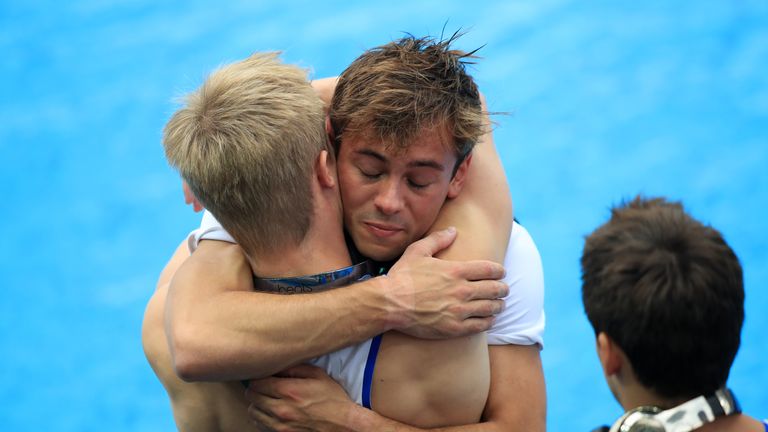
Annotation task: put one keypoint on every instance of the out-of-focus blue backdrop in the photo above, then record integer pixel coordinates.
(607, 99)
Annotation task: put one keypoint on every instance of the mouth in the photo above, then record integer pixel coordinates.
(382, 230)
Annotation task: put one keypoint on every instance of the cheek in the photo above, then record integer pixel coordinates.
(425, 211)
(353, 195)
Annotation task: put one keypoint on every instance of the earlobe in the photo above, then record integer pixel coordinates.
(457, 182)
(610, 354)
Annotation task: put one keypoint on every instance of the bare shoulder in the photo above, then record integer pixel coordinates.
(153, 336)
(179, 256)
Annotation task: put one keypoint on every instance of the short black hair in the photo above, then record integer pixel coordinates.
(669, 291)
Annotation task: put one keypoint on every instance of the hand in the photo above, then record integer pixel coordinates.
(189, 197)
(301, 398)
(435, 299)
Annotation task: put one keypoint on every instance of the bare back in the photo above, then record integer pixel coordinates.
(198, 406)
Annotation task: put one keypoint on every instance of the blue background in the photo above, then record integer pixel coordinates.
(607, 99)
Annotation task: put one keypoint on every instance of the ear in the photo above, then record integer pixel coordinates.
(329, 128)
(190, 198)
(325, 169)
(611, 358)
(457, 182)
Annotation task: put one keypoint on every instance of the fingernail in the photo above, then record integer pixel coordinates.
(450, 230)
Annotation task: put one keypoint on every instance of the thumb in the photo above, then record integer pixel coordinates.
(432, 244)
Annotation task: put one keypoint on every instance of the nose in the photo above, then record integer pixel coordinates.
(389, 199)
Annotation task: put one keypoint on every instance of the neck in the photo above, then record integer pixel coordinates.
(322, 250)
(300, 260)
(632, 394)
(636, 396)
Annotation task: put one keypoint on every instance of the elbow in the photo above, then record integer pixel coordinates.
(196, 359)
(189, 360)
(188, 369)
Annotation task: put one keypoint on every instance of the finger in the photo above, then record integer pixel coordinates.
(486, 290)
(476, 325)
(302, 371)
(432, 244)
(263, 387)
(483, 309)
(478, 270)
(261, 419)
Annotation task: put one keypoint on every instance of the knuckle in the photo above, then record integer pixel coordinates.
(485, 310)
(455, 312)
(498, 306)
(483, 324)
(495, 307)
(455, 328)
(283, 412)
(463, 292)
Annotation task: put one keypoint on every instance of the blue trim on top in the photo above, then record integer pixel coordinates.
(370, 363)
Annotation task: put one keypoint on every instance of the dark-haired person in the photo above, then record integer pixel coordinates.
(405, 118)
(665, 296)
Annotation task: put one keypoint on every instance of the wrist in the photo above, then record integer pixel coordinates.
(361, 419)
(389, 312)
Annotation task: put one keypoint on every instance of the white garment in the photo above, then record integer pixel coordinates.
(522, 320)
(347, 367)
(520, 323)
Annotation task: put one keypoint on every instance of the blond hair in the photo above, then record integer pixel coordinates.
(246, 143)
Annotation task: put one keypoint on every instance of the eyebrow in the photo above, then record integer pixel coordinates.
(419, 163)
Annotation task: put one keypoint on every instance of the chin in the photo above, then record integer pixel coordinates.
(380, 253)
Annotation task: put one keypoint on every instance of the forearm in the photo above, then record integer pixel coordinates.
(219, 329)
(241, 335)
(365, 420)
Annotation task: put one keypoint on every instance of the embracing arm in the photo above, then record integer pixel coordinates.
(306, 398)
(516, 402)
(482, 212)
(220, 330)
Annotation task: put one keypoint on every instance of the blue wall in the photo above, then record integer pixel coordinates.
(605, 100)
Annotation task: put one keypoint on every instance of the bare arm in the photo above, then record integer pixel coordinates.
(516, 402)
(306, 398)
(482, 213)
(219, 329)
